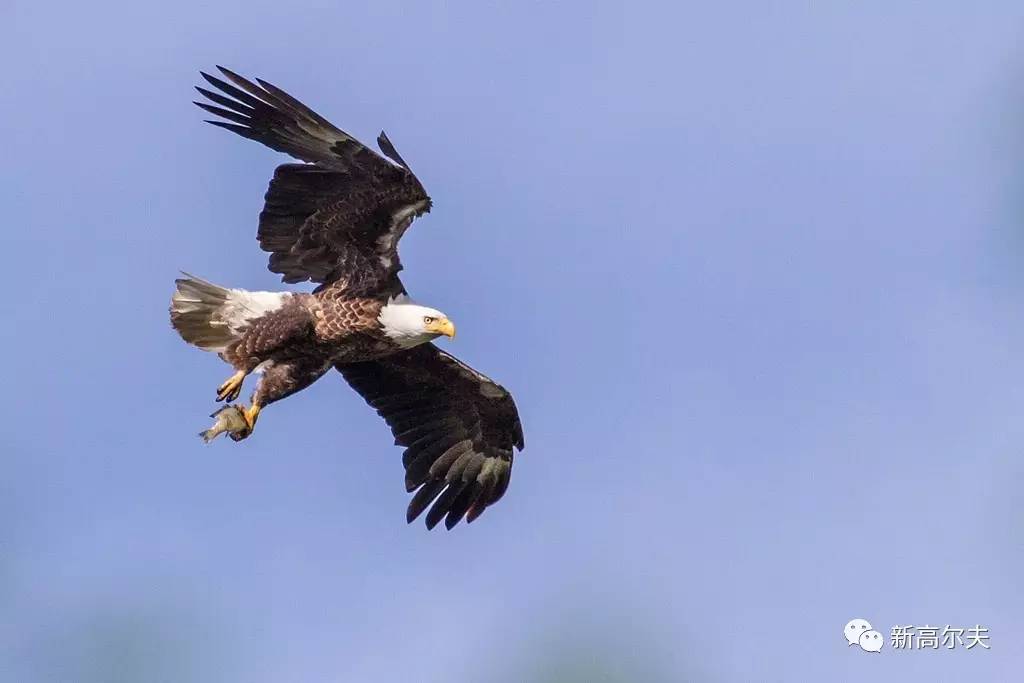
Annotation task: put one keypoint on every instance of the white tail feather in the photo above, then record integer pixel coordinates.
(212, 317)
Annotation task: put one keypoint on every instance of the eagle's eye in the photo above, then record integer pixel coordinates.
(427, 320)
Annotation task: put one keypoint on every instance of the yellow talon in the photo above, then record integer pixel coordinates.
(232, 387)
(249, 415)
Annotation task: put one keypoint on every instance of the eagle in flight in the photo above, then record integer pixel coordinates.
(336, 220)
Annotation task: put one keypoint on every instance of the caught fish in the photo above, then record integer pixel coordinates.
(228, 419)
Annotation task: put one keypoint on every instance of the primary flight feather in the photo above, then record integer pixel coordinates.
(336, 220)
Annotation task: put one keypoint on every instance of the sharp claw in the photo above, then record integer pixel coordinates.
(231, 389)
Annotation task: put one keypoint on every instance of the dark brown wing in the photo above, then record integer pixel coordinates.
(340, 216)
(458, 428)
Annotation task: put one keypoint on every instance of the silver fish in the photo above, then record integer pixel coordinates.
(228, 419)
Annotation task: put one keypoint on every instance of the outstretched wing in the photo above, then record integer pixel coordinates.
(337, 217)
(458, 428)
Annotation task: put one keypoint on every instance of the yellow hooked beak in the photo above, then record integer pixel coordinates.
(442, 326)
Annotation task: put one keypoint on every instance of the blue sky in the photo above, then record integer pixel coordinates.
(751, 270)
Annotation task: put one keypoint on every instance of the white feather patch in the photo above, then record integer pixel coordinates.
(263, 367)
(242, 306)
(400, 222)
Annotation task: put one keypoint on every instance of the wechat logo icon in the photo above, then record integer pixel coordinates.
(859, 632)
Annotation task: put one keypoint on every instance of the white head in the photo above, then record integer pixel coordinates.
(408, 324)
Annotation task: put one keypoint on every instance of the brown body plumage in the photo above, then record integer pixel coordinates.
(336, 221)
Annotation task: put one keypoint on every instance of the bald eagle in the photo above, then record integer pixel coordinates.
(335, 220)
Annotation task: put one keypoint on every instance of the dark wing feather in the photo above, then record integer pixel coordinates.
(458, 428)
(338, 217)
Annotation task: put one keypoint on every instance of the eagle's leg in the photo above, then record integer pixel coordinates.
(232, 387)
(280, 380)
(249, 415)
